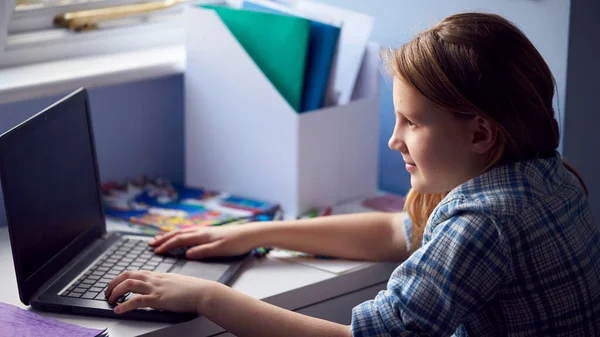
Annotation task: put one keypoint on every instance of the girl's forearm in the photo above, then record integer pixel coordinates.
(362, 236)
(246, 316)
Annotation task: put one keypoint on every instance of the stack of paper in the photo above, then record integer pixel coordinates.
(322, 49)
(311, 53)
(277, 44)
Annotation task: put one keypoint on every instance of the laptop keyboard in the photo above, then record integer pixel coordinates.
(127, 254)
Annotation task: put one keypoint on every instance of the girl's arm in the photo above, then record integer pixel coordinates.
(363, 236)
(243, 316)
(240, 314)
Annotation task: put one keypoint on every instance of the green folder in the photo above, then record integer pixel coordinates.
(278, 44)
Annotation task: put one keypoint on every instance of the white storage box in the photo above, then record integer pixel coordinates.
(242, 137)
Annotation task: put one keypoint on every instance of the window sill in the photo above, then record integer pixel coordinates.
(58, 77)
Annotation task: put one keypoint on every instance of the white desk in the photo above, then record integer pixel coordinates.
(289, 285)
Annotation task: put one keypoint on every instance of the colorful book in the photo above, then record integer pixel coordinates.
(278, 44)
(322, 48)
(162, 206)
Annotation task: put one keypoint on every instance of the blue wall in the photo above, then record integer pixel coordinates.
(138, 128)
(581, 123)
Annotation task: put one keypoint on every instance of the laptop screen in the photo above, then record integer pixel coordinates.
(49, 179)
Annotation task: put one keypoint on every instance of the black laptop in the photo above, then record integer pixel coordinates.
(63, 255)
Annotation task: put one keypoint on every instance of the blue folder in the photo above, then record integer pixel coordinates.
(322, 45)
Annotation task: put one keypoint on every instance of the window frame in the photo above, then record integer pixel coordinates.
(7, 8)
(58, 43)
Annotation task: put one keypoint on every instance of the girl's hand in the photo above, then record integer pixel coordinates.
(163, 291)
(228, 240)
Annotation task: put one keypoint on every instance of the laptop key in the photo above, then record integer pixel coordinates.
(87, 281)
(90, 295)
(84, 286)
(101, 296)
(142, 260)
(96, 289)
(80, 289)
(170, 260)
(163, 267)
(101, 284)
(75, 294)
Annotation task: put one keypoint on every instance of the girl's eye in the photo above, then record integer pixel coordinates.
(408, 122)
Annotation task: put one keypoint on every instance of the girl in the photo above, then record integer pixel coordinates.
(502, 238)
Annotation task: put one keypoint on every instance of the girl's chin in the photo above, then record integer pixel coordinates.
(418, 185)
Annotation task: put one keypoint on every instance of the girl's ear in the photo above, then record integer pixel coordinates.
(484, 134)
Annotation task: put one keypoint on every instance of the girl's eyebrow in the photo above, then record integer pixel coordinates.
(404, 114)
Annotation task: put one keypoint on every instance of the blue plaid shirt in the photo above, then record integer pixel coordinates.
(513, 252)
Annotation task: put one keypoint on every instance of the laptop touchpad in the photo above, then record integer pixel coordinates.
(206, 270)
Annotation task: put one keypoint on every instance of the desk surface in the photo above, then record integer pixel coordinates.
(289, 285)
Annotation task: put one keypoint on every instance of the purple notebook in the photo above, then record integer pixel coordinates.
(18, 322)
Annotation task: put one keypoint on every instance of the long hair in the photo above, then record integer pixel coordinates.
(481, 64)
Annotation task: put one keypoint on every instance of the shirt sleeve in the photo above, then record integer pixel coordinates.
(450, 277)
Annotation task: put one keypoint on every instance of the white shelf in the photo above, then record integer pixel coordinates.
(59, 77)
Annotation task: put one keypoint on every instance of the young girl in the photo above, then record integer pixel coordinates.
(501, 236)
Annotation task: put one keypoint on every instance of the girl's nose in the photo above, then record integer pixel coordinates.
(395, 143)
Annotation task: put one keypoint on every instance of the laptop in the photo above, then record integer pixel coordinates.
(63, 255)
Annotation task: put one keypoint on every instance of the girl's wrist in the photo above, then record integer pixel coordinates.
(208, 295)
(260, 234)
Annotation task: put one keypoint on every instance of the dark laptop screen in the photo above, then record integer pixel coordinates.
(50, 185)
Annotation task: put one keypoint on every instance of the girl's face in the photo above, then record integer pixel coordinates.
(441, 151)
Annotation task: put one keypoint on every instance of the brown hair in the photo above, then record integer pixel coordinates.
(481, 64)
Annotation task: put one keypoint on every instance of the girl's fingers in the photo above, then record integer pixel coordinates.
(141, 301)
(181, 240)
(136, 275)
(202, 251)
(160, 239)
(129, 285)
